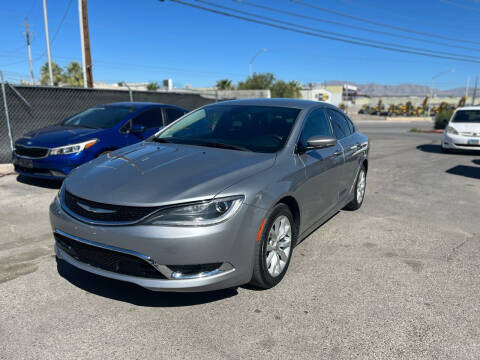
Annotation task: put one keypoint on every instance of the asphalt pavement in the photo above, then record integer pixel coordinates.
(397, 279)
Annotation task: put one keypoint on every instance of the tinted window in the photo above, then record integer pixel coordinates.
(316, 124)
(256, 128)
(172, 115)
(467, 116)
(340, 125)
(150, 119)
(99, 117)
(350, 124)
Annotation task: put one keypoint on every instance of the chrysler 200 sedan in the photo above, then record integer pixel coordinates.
(217, 199)
(52, 152)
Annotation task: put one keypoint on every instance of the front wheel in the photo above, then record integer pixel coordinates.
(359, 191)
(274, 249)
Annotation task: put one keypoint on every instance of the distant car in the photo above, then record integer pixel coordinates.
(52, 152)
(463, 130)
(217, 199)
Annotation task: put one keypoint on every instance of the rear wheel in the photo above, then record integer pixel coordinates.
(274, 250)
(359, 191)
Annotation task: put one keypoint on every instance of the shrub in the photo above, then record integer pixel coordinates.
(442, 118)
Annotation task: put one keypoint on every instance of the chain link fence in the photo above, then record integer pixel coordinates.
(33, 107)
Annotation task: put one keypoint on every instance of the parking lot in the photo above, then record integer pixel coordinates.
(397, 279)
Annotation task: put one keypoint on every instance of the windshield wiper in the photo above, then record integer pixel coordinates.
(223, 146)
(160, 140)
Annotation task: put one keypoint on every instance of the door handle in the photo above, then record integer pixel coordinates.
(337, 153)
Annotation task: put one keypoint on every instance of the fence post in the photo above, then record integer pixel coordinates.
(5, 106)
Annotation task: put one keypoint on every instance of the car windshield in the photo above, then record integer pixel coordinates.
(239, 127)
(467, 116)
(99, 117)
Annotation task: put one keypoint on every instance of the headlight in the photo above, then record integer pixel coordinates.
(197, 214)
(451, 130)
(72, 149)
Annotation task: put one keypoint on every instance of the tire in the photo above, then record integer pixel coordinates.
(270, 267)
(359, 191)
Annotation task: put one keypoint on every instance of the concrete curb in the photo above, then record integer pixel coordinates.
(6, 169)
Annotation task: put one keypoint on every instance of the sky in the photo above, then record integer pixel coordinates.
(150, 40)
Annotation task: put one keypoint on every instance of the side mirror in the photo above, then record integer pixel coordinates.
(136, 128)
(320, 142)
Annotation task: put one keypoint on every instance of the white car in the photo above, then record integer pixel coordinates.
(463, 130)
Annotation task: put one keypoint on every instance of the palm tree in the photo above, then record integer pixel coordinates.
(225, 84)
(57, 73)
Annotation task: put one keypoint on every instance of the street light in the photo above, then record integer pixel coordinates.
(261, 51)
(431, 86)
(123, 83)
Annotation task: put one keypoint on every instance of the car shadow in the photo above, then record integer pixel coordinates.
(133, 294)
(437, 149)
(430, 148)
(44, 183)
(476, 161)
(464, 170)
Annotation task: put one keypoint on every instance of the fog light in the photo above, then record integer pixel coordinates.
(57, 173)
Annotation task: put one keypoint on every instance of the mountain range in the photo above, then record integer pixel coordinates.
(375, 89)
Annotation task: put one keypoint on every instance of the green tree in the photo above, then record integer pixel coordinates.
(153, 86)
(57, 72)
(282, 89)
(73, 74)
(257, 82)
(225, 84)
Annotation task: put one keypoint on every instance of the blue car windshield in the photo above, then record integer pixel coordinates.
(239, 127)
(99, 117)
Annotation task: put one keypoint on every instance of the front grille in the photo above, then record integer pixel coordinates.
(469, 145)
(119, 214)
(107, 259)
(31, 170)
(33, 152)
(194, 269)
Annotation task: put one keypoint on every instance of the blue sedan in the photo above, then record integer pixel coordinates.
(52, 152)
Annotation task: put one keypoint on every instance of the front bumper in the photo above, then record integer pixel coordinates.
(50, 167)
(460, 142)
(230, 243)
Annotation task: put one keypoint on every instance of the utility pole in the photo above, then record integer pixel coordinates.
(47, 38)
(29, 51)
(475, 90)
(85, 43)
(466, 88)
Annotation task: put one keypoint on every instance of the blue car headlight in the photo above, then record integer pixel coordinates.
(197, 214)
(73, 148)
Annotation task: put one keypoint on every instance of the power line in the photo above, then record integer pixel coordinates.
(322, 36)
(338, 13)
(356, 27)
(349, 37)
(51, 41)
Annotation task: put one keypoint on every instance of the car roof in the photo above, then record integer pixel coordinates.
(139, 104)
(475, 107)
(278, 102)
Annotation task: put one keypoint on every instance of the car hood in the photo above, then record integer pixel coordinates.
(466, 127)
(56, 135)
(150, 174)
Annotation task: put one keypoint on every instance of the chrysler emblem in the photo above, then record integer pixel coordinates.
(95, 210)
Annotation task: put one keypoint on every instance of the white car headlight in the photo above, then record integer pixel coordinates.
(197, 214)
(73, 149)
(451, 130)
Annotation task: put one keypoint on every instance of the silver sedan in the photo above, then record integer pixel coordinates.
(217, 199)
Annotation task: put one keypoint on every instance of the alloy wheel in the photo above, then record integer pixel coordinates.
(279, 244)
